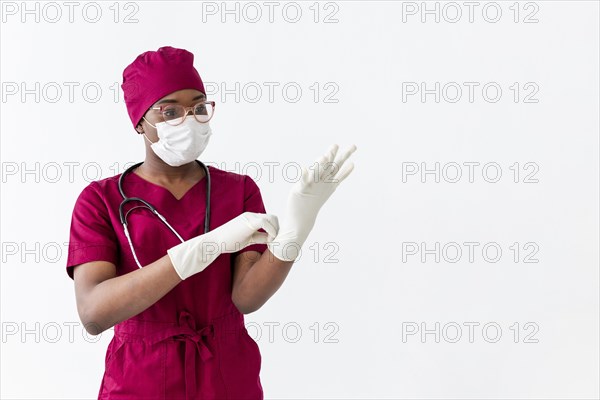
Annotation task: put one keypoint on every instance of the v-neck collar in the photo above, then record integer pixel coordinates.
(201, 181)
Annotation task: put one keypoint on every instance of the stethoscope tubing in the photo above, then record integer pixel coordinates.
(123, 216)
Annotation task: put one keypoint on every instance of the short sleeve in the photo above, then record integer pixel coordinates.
(92, 236)
(252, 202)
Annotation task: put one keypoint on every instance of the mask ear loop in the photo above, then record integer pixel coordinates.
(149, 122)
(145, 133)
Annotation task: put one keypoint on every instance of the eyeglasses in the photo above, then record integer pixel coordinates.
(175, 114)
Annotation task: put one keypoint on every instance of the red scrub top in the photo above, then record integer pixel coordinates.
(192, 343)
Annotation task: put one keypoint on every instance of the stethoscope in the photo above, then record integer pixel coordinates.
(149, 206)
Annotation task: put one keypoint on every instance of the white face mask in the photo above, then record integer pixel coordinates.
(181, 144)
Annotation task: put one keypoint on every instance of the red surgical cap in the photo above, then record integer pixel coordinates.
(155, 74)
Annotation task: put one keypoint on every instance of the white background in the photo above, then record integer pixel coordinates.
(370, 295)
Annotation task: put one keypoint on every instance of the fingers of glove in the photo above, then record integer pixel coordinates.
(341, 158)
(251, 219)
(326, 166)
(344, 172)
(256, 221)
(332, 152)
(320, 163)
(270, 223)
(259, 238)
(318, 168)
(340, 173)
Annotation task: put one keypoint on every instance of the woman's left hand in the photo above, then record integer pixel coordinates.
(307, 197)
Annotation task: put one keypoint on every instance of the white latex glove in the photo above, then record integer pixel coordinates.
(195, 254)
(306, 199)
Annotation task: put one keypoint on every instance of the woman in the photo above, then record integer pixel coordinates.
(174, 290)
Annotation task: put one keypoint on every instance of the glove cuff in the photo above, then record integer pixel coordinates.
(193, 256)
(285, 251)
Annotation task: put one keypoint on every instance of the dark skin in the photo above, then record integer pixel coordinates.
(105, 299)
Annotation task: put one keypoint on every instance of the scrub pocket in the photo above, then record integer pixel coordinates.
(134, 369)
(240, 364)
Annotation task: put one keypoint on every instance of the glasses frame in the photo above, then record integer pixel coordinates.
(186, 110)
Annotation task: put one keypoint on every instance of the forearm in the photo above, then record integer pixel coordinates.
(261, 282)
(125, 296)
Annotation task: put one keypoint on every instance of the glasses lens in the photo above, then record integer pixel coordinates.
(173, 114)
(203, 112)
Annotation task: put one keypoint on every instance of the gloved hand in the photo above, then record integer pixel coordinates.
(306, 199)
(195, 254)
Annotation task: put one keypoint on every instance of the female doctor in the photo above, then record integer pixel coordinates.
(172, 253)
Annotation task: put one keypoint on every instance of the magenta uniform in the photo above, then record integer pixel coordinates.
(192, 343)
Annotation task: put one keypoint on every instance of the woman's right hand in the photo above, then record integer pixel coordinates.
(194, 255)
(242, 231)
